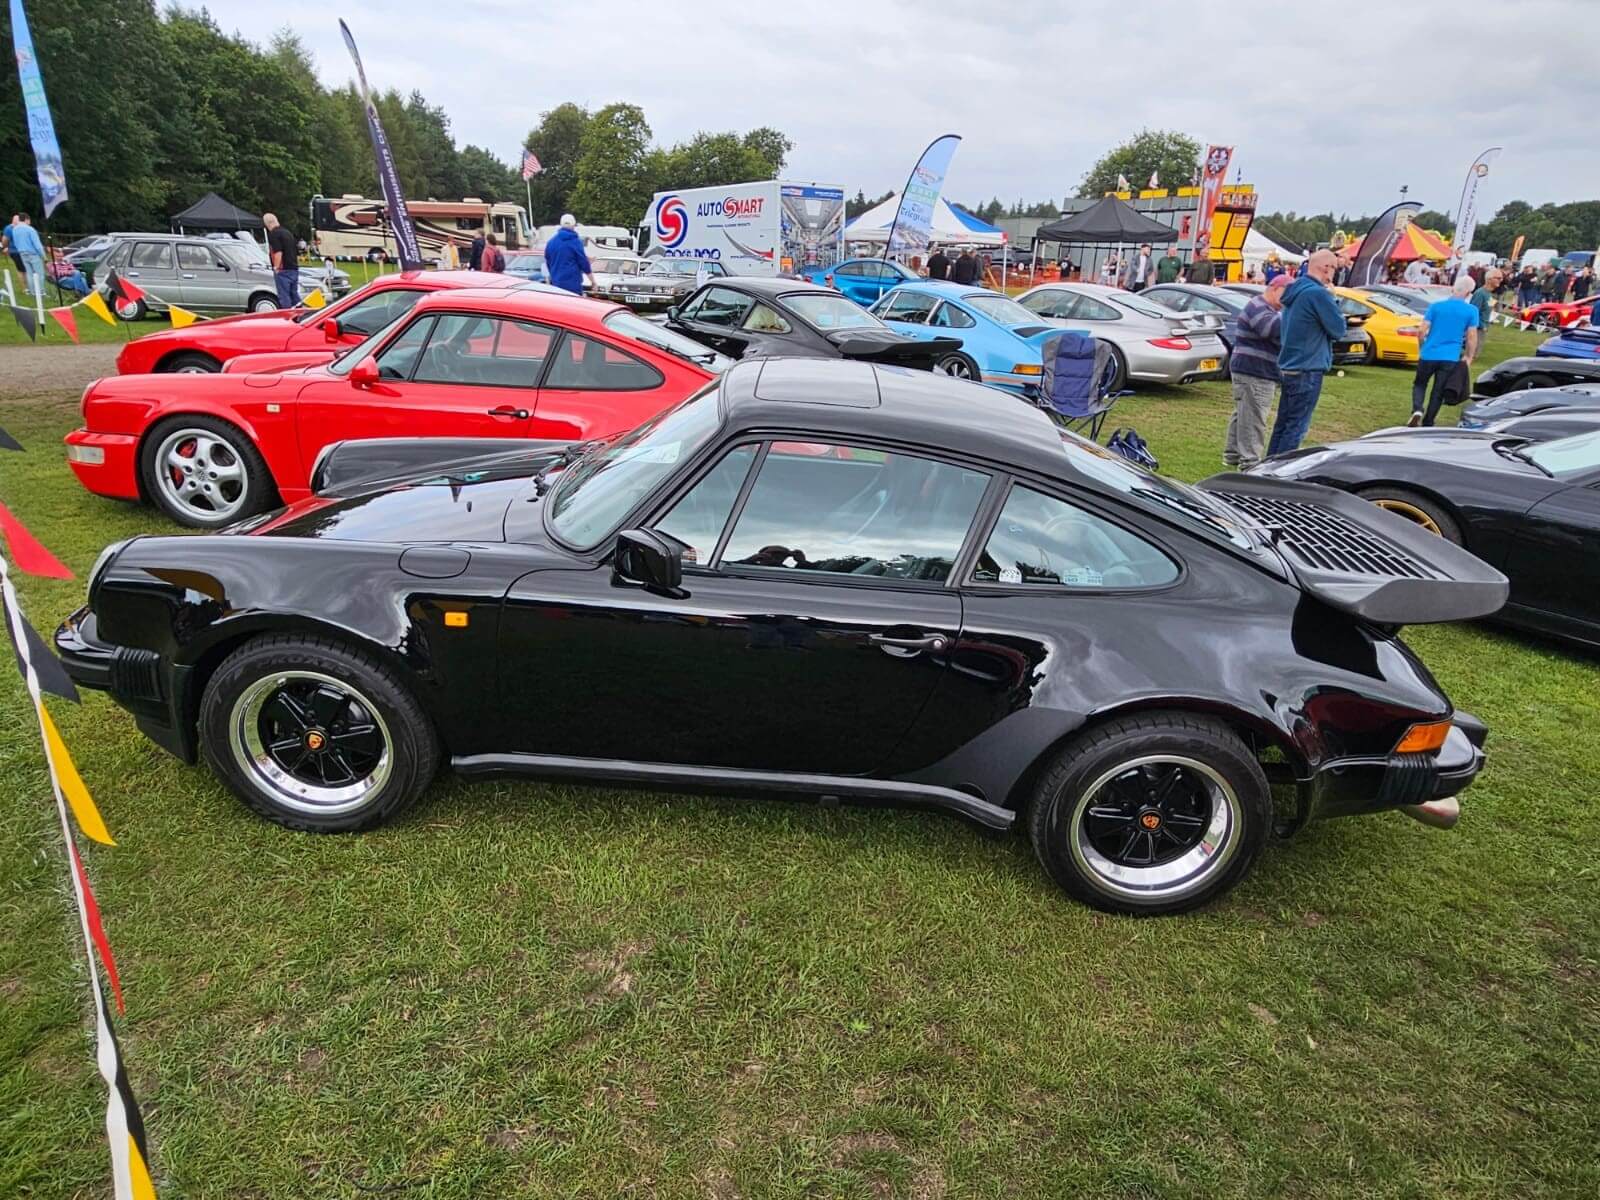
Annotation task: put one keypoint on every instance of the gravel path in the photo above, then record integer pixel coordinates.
(38, 370)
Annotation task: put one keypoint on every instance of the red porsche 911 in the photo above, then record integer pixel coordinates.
(504, 363)
(203, 347)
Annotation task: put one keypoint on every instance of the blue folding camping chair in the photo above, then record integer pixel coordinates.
(1074, 389)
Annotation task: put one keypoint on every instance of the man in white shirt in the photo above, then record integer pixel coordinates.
(1141, 269)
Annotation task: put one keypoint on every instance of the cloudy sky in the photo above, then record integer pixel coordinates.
(1328, 106)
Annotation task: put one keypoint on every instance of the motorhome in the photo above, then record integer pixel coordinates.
(351, 226)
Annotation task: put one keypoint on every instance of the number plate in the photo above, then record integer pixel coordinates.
(639, 298)
(1210, 364)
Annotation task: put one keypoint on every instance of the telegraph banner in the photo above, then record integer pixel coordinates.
(1467, 210)
(912, 228)
(405, 234)
(41, 129)
(1373, 259)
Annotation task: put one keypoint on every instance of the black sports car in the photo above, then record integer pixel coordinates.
(1527, 401)
(1529, 507)
(817, 577)
(1549, 425)
(767, 318)
(1518, 374)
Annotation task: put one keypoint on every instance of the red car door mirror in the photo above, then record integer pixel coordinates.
(364, 373)
(330, 329)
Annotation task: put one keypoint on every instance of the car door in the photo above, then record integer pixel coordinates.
(859, 280)
(1554, 563)
(203, 283)
(154, 267)
(811, 628)
(712, 317)
(445, 374)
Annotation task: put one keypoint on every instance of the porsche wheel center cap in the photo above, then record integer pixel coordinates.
(316, 740)
(1149, 821)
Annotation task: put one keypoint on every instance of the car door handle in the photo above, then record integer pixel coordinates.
(933, 641)
(188, 275)
(505, 410)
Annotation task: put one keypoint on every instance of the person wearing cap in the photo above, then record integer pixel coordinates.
(566, 266)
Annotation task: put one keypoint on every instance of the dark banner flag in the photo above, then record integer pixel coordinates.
(1372, 262)
(41, 130)
(394, 200)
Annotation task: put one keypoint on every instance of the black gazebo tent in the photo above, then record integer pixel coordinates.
(1109, 222)
(210, 212)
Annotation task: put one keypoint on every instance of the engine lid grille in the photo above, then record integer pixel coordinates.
(1317, 536)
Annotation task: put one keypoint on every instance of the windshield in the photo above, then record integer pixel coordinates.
(629, 325)
(524, 264)
(1574, 455)
(1120, 475)
(824, 310)
(615, 266)
(597, 492)
(1000, 308)
(673, 266)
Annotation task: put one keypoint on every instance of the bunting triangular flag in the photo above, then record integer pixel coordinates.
(96, 303)
(47, 668)
(29, 323)
(315, 299)
(26, 550)
(180, 317)
(119, 287)
(66, 320)
(7, 442)
(66, 771)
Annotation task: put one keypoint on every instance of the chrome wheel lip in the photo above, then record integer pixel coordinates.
(1184, 875)
(218, 510)
(252, 758)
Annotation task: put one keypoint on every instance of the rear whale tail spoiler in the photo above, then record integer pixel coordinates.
(1354, 556)
(361, 465)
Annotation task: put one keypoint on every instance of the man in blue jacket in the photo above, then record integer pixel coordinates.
(565, 263)
(1311, 322)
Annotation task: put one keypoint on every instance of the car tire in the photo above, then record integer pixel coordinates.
(222, 477)
(134, 310)
(192, 363)
(958, 366)
(1546, 320)
(1529, 383)
(1370, 359)
(1151, 814)
(261, 302)
(1117, 371)
(1418, 509)
(353, 746)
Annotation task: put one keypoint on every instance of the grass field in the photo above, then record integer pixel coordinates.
(526, 990)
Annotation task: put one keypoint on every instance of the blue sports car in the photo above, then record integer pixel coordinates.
(1000, 340)
(1571, 343)
(862, 279)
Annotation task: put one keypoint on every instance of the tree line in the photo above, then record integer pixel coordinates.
(154, 109)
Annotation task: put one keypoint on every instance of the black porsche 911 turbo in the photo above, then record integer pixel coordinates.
(756, 317)
(1536, 371)
(813, 577)
(1523, 502)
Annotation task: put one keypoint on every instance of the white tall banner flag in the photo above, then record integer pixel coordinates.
(912, 227)
(1467, 210)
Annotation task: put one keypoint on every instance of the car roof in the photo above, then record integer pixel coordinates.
(845, 398)
(767, 285)
(943, 287)
(516, 299)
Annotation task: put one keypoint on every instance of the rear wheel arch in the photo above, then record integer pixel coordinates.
(1422, 492)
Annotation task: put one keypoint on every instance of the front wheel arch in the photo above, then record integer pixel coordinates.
(1425, 493)
(156, 420)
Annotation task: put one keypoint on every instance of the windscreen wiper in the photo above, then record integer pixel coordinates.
(542, 481)
(1517, 453)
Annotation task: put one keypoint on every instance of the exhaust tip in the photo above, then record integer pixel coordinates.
(1440, 814)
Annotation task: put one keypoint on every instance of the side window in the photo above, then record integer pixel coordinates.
(371, 313)
(399, 357)
(484, 352)
(1352, 308)
(1178, 301)
(1205, 304)
(196, 258)
(911, 307)
(152, 256)
(1041, 540)
(1090, 309)
(765, 320)
(593, 366)
(850, 269)
(1052, 302)
(720, 306)
(824, 509)
(697, 519)
(951, 317)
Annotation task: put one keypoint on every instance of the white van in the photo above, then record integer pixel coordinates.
(1537, 259)
(609, 237)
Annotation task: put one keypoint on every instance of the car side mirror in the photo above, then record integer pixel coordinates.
(651, 560)
(330, 329)
(672, 313)
(364, 373)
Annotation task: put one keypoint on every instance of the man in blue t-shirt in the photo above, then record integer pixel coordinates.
(1449, 344)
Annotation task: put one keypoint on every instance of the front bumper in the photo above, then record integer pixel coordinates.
(107, 464)
(156, 692)
(1347, 787)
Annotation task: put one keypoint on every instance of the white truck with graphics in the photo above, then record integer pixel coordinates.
(771, 227)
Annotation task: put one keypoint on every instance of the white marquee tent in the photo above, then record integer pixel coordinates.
(1258, 245)
(951, 225)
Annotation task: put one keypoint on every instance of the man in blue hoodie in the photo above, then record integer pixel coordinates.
(1311, 322)
(565, 263)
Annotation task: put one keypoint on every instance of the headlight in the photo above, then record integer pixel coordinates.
(101, 563)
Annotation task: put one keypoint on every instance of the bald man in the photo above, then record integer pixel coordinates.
(1311, 322)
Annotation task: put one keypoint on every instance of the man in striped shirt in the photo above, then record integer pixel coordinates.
(1254, 367)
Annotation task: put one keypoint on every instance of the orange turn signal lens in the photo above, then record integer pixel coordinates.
(456, 620)
(1423, 739)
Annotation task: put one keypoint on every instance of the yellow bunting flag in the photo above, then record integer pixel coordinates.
(71, 782)
(96, 304)
(315, 299)
(181, 316)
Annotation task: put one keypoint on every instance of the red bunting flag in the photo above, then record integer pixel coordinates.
(66, 320)
(128, 293)
(26, 550)
(91, 911)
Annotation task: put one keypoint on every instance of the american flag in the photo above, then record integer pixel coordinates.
(530, 164)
